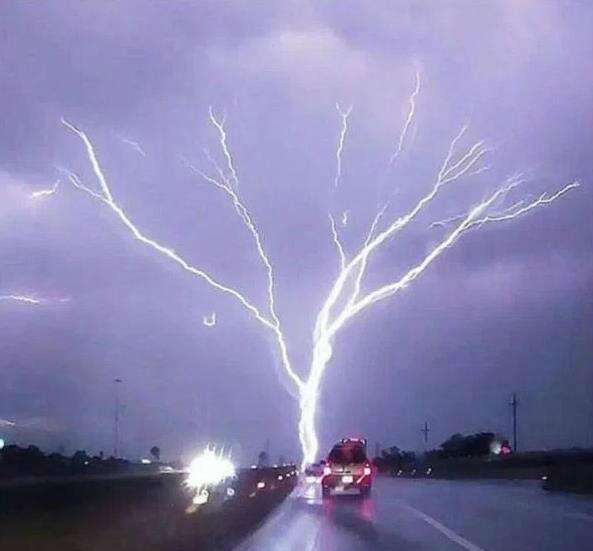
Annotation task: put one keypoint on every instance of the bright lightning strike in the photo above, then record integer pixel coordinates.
(344, 117)
(408, 122)
(331, 318)
(106, 197)
(45, 192)
(209, 321)
(345, 299)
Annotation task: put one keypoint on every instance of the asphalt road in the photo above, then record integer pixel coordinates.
(425, 515)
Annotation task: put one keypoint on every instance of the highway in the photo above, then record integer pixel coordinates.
(426, 515)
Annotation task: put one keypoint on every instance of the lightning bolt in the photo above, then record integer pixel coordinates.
(344, 117)
(543, 199)
(134, 145)
(337, 242)
(328, 322)
(45, 192)
(210, 321)
(247, 219)
(22, 298)
(27, 299)
(409, 119)
(106, 197)
(445, 222)
(219, 125)
(345, 299)
(345, 216)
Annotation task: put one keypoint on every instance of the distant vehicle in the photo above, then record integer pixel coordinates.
(315, 469)
(347, 468)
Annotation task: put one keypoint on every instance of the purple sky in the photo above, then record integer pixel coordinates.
(509, 308)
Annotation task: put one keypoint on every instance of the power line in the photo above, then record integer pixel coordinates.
(425, 430)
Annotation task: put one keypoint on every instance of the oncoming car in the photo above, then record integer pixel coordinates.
(347, 468)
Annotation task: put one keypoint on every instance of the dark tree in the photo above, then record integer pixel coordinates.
(262, 459)
(155, 451)
(472, 445)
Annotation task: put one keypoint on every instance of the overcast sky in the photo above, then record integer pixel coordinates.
(508, 308)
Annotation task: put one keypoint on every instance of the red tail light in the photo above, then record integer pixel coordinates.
(327, 470)
(367, 471)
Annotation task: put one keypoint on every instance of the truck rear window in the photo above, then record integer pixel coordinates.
(345, 454)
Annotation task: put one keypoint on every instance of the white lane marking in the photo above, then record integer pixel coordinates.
(453, 536)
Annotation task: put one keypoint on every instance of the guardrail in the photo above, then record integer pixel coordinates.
(255, 479)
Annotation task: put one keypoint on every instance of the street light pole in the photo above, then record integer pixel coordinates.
(117, 411)
(513, 403)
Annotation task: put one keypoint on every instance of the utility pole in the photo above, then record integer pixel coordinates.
(513, 403)
(425, 430)
(117, 411)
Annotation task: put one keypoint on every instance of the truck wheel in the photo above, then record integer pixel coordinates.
(325, 492)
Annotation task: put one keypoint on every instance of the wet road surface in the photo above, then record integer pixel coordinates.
(426, 515)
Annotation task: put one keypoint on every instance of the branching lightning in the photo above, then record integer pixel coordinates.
(332, 318)
(409, 119)
(45, 192)
(346, 297)
(344, 117)
(106, 197)
(446, 221)
(219, 125)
